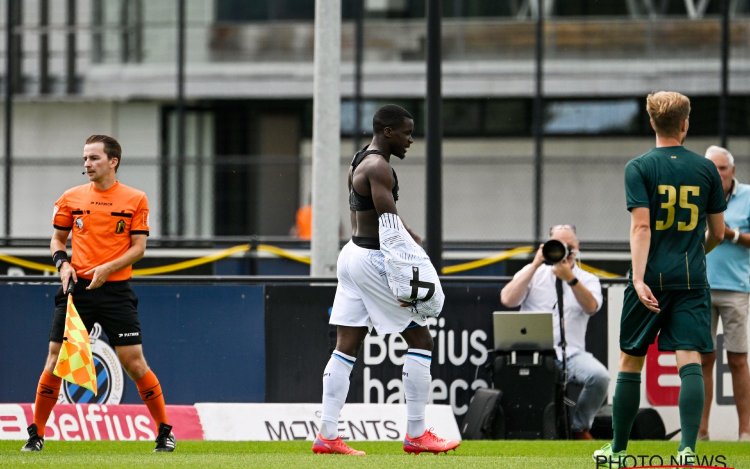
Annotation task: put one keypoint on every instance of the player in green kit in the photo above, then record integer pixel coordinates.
(673, 195)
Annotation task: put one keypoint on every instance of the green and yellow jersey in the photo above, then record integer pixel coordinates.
(679, 188)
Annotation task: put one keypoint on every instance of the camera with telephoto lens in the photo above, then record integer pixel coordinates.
(554, 251)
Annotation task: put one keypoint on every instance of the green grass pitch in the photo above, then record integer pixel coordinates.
(498, 454)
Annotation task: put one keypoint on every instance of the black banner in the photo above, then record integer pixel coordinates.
(299, 343)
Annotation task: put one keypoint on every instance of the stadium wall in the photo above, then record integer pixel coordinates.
(205, 343)
(249, 343)
(269, 343)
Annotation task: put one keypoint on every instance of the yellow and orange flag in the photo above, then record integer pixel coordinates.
(75, 362)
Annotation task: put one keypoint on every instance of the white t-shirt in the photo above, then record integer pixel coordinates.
(542, 296)
(410, 274)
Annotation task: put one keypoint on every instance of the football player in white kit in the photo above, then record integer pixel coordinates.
(385, 281)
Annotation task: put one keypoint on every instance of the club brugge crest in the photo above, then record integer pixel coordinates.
(109, 376)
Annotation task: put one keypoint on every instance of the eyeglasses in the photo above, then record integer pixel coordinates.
(558, 227)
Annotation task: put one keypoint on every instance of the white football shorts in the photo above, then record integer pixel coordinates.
(363, 297)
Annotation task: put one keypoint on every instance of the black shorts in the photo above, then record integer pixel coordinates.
(113, 305)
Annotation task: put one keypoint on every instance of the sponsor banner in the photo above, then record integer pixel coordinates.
(660, 380)
(215, 332)
(462, 344)
(298, 341)
(89, 422)
(280, 422)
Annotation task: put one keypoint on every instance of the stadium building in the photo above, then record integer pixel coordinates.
(223, 147)
(106, 66)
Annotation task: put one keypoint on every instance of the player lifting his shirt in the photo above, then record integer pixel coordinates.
(368, 284)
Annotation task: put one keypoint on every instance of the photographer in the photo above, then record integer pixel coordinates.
(533, 288)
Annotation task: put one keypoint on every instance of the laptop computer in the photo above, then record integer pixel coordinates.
(523, 330)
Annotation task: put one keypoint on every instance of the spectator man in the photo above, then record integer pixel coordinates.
(728, 269)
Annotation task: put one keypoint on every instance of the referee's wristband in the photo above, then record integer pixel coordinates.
(736, 238)
(573, 282)
(59, 257)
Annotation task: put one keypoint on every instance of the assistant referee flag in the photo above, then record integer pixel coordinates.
(75, 362)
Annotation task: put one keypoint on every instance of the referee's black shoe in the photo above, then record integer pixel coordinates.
(35, 442)
(165, 439)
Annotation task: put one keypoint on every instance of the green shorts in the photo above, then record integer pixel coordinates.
(684, 322)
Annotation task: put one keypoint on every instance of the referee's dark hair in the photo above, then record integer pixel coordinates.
(389, 115)
(111, 147)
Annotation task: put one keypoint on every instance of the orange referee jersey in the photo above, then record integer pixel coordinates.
(102, 223)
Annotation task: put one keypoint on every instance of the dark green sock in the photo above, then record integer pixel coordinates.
(625, 404)
(690, 403)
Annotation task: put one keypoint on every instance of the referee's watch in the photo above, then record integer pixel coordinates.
(59, 263)
(573, 282)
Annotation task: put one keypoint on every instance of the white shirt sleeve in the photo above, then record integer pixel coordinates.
(592, 284)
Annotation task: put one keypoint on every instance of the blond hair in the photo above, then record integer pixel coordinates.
(667, 110)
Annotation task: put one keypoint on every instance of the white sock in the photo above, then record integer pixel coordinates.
(417, 381)
(335, 390)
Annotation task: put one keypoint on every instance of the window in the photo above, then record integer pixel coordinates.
(508, 117)
(369, 107)
(591, 117)
(461, 117)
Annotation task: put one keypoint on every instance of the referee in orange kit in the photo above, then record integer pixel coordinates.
(109, 225)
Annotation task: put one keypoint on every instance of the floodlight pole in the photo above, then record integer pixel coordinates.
(359, 24)
(434, 135)
(180, 112)
(8, 114)
(538, 130)
(326, 152)
(724, 92)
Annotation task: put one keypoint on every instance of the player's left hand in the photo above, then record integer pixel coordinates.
(646, 296)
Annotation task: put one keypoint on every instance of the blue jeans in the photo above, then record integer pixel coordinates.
(589, 372)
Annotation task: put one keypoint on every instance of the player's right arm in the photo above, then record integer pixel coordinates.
(715, 233)
(58, 243)
(640, 242)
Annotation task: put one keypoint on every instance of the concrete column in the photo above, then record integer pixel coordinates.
(326, 138)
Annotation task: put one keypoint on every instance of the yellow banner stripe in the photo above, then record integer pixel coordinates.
(285, 254)
(169, 268)
(28, 264)
(598, 272)
(505, 255)
(165, 269)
